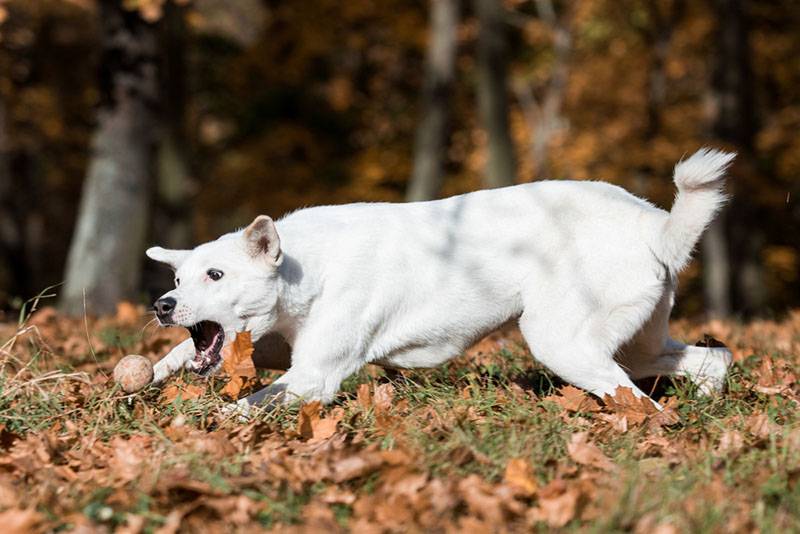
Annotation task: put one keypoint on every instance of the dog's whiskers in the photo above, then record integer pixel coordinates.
(147, 324)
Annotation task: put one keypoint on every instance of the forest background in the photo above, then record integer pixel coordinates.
(126, 123)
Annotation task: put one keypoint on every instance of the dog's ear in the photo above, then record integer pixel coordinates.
(171, 257)
(262, 238)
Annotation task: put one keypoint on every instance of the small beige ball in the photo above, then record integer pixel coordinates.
(133, 372)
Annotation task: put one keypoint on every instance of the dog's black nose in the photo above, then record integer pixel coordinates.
(164, 306)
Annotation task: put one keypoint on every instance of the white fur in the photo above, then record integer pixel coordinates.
(587, 268)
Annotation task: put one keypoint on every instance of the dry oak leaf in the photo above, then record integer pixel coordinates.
(356, 466)
(20, 521)
(183, 390)
(760, 425)
(558, 504)
(573, 399)
(480, 499)
(237, 361)
(383, 397)
(638, 409)
(310, 424)
(127, 313)
(731, 442)
(129, 457)
(519, 475)
(585, 453)
(364, 396)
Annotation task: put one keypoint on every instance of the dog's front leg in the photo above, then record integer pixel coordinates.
(317, 370)
(177, 358)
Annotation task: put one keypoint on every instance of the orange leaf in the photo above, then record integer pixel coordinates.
(182, 390)
(635, 409)
(310, 424)
(519, 475)
(308, 416)
(238, 356)
(127, 313)
(322, 429)
(237, 362)
(17, 520)
(573, 399)
(558, 504)
(364, 396)
(585, 453)
(384, 396)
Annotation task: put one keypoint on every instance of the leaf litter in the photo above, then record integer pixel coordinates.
(489, 442)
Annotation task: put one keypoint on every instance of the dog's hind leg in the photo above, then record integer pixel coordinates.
(707, 367)
(577, 341)
(652, 352)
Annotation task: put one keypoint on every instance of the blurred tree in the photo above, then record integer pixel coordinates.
(731, 247)
(544, 115)
(104, 261)
(430, 147)
(274, 105)
(492, 55)
(10, 234)
(657, 33)
(172, 216)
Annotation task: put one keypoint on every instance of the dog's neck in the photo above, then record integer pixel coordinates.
(297, 290)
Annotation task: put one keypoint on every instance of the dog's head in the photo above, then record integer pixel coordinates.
(222, 287)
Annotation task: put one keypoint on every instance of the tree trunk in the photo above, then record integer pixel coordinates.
(716, 269)
(172, 214)
(9, 232)
(545, 118)
(20, 220)
(105, 257)
(430, 146)
(492, 97)
(657, 35)
(740, 284)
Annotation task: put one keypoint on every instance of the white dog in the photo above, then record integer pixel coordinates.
(588, 269)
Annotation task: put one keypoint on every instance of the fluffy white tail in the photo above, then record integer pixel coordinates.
(700, 182)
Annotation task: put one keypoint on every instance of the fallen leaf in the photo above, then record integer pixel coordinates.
(731, 441)
(574, 400)
(480, 500)
(308, 416)
(356, 466)
(760, 425)
(585, 453)
(134, 524)
(127, 313)
(384, 395)
(364, 396)
(519, 475)
(20, 521)
(182, 390)
(625, 402)
(558, 504)
(237, 362)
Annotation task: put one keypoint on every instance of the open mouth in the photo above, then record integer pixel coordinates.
(208, 338)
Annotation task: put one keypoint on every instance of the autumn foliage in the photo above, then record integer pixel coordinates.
(278, 105)
(490, 442)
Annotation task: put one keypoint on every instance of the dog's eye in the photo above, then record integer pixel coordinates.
(177, 282)
(214, 274)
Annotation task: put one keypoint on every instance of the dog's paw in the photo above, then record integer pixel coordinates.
(240, 410)
(711, 378)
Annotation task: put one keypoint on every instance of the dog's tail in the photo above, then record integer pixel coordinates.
(700, 181)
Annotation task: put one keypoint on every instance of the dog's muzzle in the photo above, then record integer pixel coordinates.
(164, 308)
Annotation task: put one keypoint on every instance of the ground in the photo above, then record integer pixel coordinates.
(489, 442)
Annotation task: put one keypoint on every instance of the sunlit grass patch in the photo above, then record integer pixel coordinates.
(489, 438)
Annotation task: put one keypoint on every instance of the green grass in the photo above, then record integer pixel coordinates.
(463, 419)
